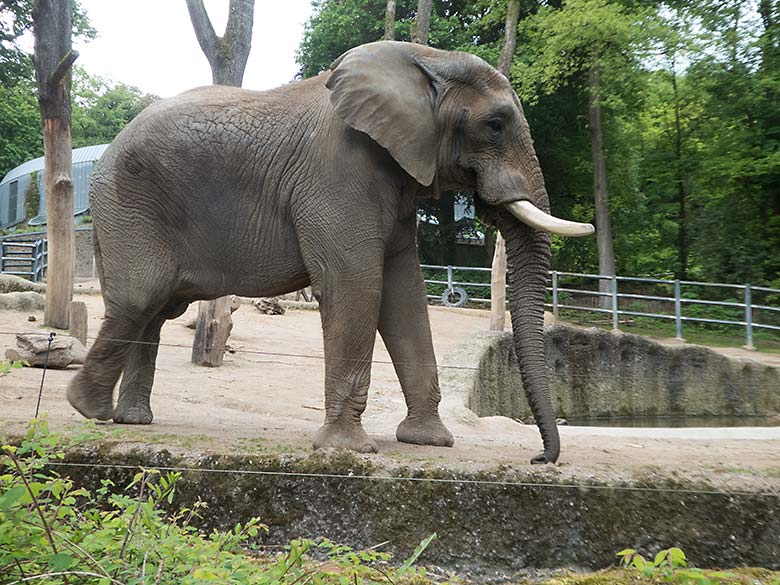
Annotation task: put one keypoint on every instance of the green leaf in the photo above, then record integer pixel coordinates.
(678, 557)
(61, 562)
(417, 552)
(9, 498)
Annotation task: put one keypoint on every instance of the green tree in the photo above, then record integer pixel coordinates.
(594, 45)
(101, 109)
(20, 126)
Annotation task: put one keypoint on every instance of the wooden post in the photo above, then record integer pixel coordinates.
(498, 286)
(498, 269)
(52, 24)
(227, 56)
(211, 332)
(78, 321)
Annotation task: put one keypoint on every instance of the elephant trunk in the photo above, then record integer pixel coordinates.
(528, 263)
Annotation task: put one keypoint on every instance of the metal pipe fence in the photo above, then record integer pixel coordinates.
(681, 301)
(26, 259)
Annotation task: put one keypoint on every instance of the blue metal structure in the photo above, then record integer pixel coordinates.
(14, 186)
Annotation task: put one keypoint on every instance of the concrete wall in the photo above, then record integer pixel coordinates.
(596, 373)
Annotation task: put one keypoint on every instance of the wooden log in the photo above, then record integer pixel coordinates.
(78, 321)
(211, 332)
(498, 286)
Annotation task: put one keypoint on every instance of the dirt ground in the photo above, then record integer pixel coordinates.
(269, 395)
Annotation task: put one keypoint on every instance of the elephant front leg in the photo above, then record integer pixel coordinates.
(406, 331)
(349, 309)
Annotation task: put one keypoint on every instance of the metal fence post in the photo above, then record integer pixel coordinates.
(449, 279)
(614, 304)
(748, 318)
(678, 309)
(555, 294)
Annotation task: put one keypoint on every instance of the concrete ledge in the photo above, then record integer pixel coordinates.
(596, 373)
(491, 522)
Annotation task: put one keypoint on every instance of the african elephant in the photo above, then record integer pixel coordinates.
(226, 191)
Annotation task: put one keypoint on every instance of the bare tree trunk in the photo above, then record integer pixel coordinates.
(498, 268)
(600, 193)
(390, 21)
(52, 24)
(422, 24)
(227, 55)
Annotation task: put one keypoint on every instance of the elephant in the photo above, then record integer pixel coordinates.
(222, 190)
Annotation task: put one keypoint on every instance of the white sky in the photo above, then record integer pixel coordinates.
(150, 43)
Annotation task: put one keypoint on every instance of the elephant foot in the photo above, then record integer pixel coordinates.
(134, 415)
(341, 436)
(427, 430)
(541, 459)
(90, 404)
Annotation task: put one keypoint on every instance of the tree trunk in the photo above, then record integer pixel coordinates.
(600, 193)
(390, 21)
(498, 268)
(52, 24)
(682, 229)
(227, 55)
(422, 24)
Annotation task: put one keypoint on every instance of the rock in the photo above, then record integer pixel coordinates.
(32, 318)
(22, 301)
(32, 348)
(562, 422)
(269, 306)
(10, 283)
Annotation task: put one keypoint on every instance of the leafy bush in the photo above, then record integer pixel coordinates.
(671, 566)
(51, 530)
(6, 366)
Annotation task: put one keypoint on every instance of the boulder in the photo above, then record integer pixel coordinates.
(22, 301)
(10, 283)
(32, 348)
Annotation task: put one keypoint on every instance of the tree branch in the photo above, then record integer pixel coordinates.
(204, 31)
(62, 68)
(239, 25)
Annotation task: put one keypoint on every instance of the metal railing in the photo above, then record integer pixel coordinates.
(27, 259)
(669, 301)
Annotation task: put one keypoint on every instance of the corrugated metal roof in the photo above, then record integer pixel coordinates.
(84, 154)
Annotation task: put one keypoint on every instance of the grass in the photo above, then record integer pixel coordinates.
(763, 341)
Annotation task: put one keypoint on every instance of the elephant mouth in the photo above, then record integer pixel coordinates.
(534, 217)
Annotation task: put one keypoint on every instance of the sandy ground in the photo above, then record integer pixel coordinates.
(269, 393)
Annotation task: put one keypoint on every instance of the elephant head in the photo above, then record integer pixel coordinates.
(453, 122)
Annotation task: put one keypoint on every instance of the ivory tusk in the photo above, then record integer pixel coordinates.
(532, 216)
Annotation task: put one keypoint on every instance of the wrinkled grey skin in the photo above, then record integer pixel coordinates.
(227, 191)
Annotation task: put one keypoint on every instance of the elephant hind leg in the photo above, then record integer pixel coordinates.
(91, 391)
(133, 404)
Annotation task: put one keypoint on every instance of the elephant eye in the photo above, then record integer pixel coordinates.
(495, 125)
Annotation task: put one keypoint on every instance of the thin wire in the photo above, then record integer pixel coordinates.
(478, 482)
(43, 375)
(373, 361)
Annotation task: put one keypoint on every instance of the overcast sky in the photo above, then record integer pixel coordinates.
(151, 44)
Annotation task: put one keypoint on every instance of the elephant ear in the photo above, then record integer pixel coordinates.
(381, 89)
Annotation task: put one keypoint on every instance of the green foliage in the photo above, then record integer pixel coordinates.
(101, 110)
(20, 126)
(6, 366)
(671, 566)
(32, 197)
(50, 529)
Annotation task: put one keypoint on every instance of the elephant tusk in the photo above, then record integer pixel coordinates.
(531, 215)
